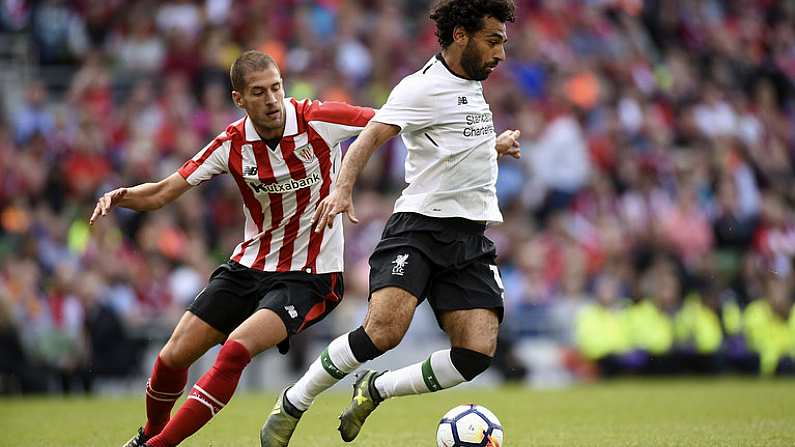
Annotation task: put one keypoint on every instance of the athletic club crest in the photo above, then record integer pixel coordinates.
(306, 153)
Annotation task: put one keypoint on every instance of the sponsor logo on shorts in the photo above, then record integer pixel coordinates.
(400, 264)
(291, 310)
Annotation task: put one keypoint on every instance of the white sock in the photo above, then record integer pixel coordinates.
(435, 373)
(334, 363)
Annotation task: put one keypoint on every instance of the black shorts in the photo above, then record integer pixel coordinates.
(235, 292)
(449, 261)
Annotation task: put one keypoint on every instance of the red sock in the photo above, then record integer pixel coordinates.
(208, 396)
(162, 391)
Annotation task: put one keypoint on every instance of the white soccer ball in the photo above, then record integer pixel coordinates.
(469, 426)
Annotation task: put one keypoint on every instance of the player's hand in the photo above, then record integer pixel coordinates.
(337, 202)
(106, 202)
(508, 144)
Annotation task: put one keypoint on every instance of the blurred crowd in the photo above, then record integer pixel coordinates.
(649, 225)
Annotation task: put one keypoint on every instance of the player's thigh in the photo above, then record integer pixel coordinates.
(473, 329)
(190, 340)
(262, 330)
(399, 278)
(402, 267)
(295, 301)
(228, 299)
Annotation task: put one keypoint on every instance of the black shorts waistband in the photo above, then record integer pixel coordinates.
(421, 222)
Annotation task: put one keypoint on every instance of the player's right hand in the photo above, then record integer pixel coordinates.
(508, 144)
(337, 202)
(106, 202)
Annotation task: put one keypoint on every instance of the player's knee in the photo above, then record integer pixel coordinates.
(385, 334)
(469, 363)
(172, 359)
(171, 356)
(386, 337)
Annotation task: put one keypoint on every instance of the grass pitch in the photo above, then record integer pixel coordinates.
(727, 412)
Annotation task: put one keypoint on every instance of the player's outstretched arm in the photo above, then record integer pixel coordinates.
(508, 144)
(143, 197)
(340, 200)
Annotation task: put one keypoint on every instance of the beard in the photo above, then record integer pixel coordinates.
(471, 63)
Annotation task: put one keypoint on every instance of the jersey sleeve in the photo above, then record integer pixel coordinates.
(212, 160)
(408, 106)
(337, 121)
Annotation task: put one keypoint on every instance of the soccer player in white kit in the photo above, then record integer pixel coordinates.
(433, 247)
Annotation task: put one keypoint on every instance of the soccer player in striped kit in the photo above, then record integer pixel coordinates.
(433, 247)
(283, 277)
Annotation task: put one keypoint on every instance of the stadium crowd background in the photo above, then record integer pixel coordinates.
(649, 226)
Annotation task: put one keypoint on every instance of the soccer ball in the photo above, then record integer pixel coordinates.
(469, 426)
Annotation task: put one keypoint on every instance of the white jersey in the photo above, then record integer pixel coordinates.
(447, 128)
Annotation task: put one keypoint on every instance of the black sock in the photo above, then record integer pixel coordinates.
(290, 409)
(362, 346)
(373, 390)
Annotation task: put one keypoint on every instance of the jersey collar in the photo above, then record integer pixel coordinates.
(290, 125)
(440, 58)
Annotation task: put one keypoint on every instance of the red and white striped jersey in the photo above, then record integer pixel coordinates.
(281, 187)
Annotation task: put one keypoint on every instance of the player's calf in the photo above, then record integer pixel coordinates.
(469, 363)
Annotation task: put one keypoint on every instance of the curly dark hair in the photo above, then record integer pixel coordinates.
(470, 14)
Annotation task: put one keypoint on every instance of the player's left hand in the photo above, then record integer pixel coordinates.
(508, 144)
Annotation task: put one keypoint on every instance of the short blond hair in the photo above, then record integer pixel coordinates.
(250, 61)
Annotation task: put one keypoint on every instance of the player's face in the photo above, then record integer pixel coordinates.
(263, 98)
(485, 50)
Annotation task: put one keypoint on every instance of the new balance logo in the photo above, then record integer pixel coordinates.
(291, 310)
(462, 100)
(400, 264)
(250, 170)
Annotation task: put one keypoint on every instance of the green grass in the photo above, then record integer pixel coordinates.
(726, 412)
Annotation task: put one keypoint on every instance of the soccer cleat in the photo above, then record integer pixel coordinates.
(139, 440)
(281, 423)
(365, 399)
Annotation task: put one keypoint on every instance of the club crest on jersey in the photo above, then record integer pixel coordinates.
(400, 264)
(305, 153)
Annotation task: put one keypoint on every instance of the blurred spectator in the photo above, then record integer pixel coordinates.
(33, 117)
(650, 321)
(658, 145)
(58, 32)
(602, 331)
(559, 158)
(770, 327)
(113, 352)
(699, 327)
(17, 372)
